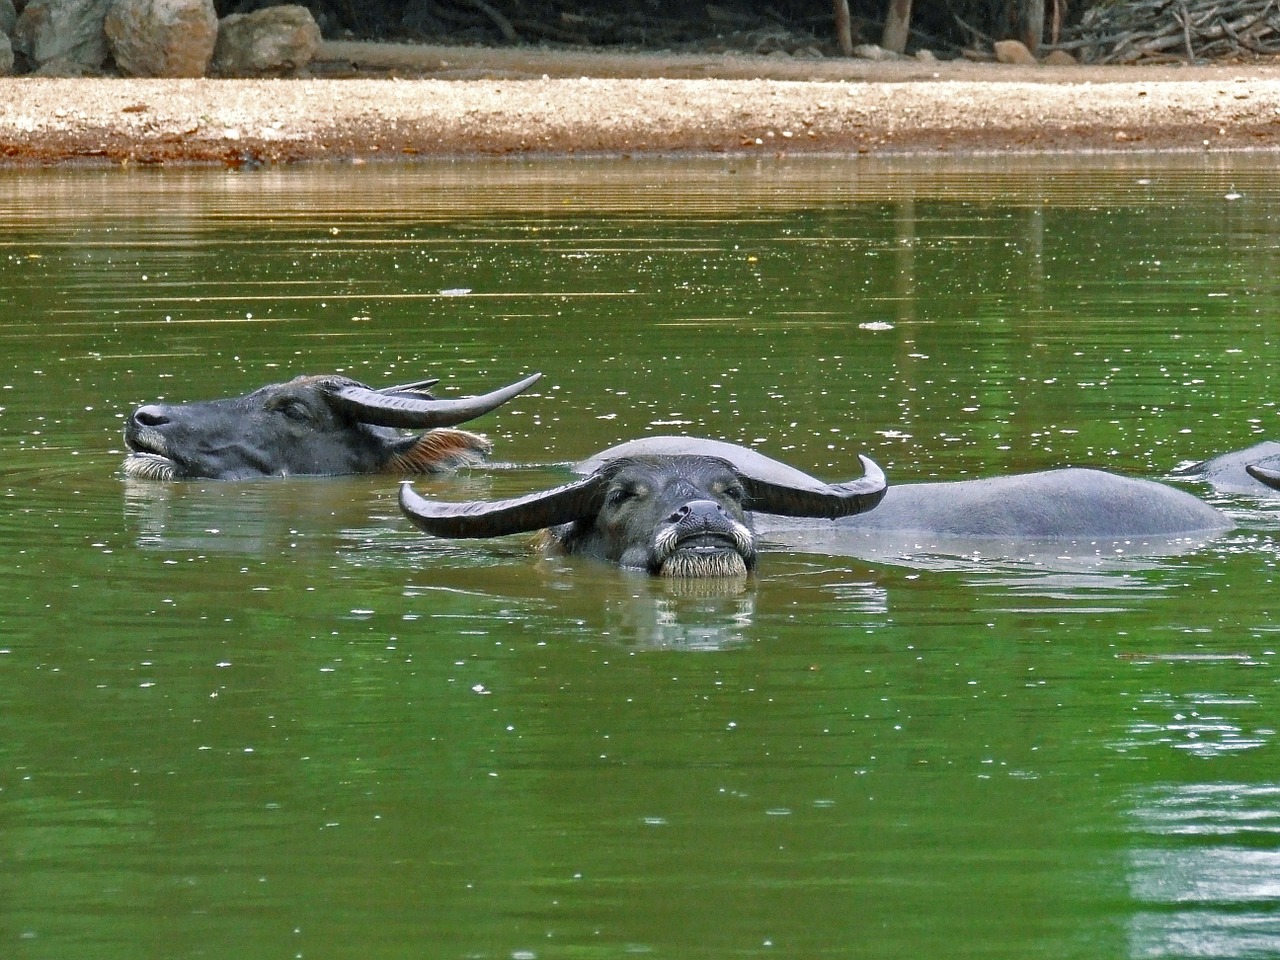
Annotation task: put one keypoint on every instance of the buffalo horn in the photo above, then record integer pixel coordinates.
(832, 500)
(398, 407)
(1264, 475)
(481, 518)
(420, 388)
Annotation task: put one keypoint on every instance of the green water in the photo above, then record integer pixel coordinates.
(261, 720)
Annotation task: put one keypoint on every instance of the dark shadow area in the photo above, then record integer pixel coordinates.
(791, 27)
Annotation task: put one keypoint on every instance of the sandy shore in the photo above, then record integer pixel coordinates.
(371, 102)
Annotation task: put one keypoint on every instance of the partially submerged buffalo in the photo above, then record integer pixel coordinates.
(1069, 503)
(683, 514)
(1253, 470)
(594, 516)
(318, 425)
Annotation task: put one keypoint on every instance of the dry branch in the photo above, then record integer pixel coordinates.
(1135, 30)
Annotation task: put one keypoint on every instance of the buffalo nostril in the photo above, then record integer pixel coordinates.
(707, 509)
(150, 416)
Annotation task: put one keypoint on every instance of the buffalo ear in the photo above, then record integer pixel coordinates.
(481, 518)
(827, 500)
(411, 406)
(439, 451)
(1266, 475)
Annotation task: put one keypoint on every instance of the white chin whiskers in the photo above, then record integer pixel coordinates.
(149, 466)
(688, 564)
(698, 556)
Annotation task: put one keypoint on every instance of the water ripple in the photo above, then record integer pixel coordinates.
(1209, 888)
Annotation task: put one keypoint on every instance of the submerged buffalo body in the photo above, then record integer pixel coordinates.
(320, 425)
(1066, 504)
(674, 515)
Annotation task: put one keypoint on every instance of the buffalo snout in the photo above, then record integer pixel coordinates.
(699, 514)
(702, 538)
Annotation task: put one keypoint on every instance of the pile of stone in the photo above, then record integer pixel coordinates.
(153, 38)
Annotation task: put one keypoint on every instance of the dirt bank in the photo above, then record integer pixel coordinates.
(369, 102)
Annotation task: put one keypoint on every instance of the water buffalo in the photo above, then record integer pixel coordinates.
(1068, 503)
(674, 515)
(309, 426)
(1254, 470)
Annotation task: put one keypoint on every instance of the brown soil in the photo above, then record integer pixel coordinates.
(379, 101)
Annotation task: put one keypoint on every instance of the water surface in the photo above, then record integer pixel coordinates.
(269, 719)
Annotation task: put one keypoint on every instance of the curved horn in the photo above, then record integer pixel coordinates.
(831, 500)
(420, 388)
(497, 518)
(398, 407)
(1264, 475)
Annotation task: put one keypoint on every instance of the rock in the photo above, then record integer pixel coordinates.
(8, 17)
(6, 56)
(1060, 58)
(926, 56)
(274, 41)
(66, 67)
(870, 51)
(1014, 51)
(66, 31)
(162, 38)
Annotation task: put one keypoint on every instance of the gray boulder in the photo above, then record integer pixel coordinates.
(271, 42)
(162, 38)
(8, 17)
(66, 32)
(6, 56)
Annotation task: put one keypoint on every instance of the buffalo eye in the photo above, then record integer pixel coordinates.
(621, 493)
(735, 492)
(294, 409)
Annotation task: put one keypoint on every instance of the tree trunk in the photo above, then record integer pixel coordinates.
(844, 27)
(1031, 25)
(897, 25)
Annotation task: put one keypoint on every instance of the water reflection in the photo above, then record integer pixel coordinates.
(251, 517)
(600, 604)
(256, 517)
(1205, 725)
(1205, 871)
(930, 552)
(688, 615)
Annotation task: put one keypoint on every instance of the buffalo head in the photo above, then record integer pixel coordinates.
(309, 426)
(675, 515)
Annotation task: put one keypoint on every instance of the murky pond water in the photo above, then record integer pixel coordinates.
(271, 720)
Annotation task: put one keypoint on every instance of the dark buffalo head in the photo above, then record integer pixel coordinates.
(309, 426)
(674, 515)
